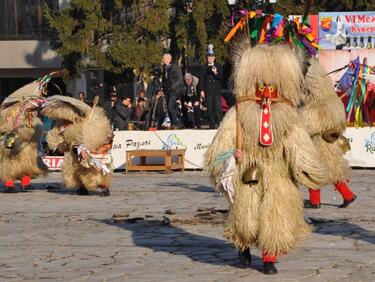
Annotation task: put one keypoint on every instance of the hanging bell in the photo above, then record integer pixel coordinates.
(251, 176)
(10, 140)
(331, 135)
(344, 144)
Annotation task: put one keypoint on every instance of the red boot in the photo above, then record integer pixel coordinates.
(25, 183)
(9, 187)
(314, 201)
(346, 194)
(269, 264)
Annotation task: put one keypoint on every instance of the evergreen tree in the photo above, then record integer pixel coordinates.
(110, 34)
(116, 35)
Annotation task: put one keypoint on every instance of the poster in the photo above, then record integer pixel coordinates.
(337, 59)
(347, 30)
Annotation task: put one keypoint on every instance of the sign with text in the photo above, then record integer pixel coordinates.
(347, 30)
(196, 142)
(54, 162)
(362, 142)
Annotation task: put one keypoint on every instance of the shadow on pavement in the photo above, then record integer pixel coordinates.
(174, 240)
(191, 186)
(342, 227)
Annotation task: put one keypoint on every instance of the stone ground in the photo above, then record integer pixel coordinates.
(58, 236)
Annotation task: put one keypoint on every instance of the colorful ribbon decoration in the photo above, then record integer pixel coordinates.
(274, 28)
(355, 83)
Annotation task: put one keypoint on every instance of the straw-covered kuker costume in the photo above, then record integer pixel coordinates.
(277, 153)
(20, 132)
(323, 114)
(84, 135)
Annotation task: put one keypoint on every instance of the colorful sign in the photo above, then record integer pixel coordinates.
(347, 30)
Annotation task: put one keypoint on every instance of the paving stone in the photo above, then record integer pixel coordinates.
(60, 236)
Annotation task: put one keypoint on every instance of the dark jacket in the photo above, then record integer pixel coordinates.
(210, 83)
(109, 110)
(121, 116)
(173, 83)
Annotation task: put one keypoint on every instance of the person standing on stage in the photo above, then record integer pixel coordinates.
(210, 81)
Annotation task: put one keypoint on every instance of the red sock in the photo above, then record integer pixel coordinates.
(267, 258)
(344, 190)
(314, 196)
(25, 180)
(9, 184)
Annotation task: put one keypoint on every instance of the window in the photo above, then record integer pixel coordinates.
(23, 19)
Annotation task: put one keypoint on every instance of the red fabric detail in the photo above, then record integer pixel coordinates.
(266, 137)
(267, 258)
(271, 92)
(344, 190)
(266, 93)
(25, 180)
(314, 196)
(9, 184)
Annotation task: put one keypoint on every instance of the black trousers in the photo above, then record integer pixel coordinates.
(215, 112)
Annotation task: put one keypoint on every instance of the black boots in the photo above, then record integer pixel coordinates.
(346, 203)
(105, 192)
(245, 257)
(10, 190)
(269, 268)
(309, 205)
(82, 191)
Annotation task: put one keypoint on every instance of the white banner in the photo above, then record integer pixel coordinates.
(196, 142)
(362, 142)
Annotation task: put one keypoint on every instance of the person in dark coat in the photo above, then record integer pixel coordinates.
(210, 83)
(159, 109)
(174, 88)
(109, 104)
(122, 113)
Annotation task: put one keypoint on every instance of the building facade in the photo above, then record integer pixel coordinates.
(25, 51)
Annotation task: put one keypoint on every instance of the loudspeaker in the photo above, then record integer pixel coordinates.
(94, 85)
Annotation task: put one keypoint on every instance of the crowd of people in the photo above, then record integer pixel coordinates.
(176, 101)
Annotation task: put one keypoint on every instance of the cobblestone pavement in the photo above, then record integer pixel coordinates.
(58, 236)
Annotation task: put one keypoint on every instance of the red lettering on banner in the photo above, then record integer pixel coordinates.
(359, 19)
(47, 162)
(53, 163)
(357, 29)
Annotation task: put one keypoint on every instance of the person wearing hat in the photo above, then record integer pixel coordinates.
(210, 83)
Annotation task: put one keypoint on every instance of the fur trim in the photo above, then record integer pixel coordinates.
(323, 111)
(65, 108)
(23, 159)
(277, 65)
(93, 130)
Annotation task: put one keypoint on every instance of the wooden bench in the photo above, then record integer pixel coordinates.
(167, 166)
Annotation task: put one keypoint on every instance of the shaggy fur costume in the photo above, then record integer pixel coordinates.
(268, 214)
(23, 159)
(78, 124)
(323, 111)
